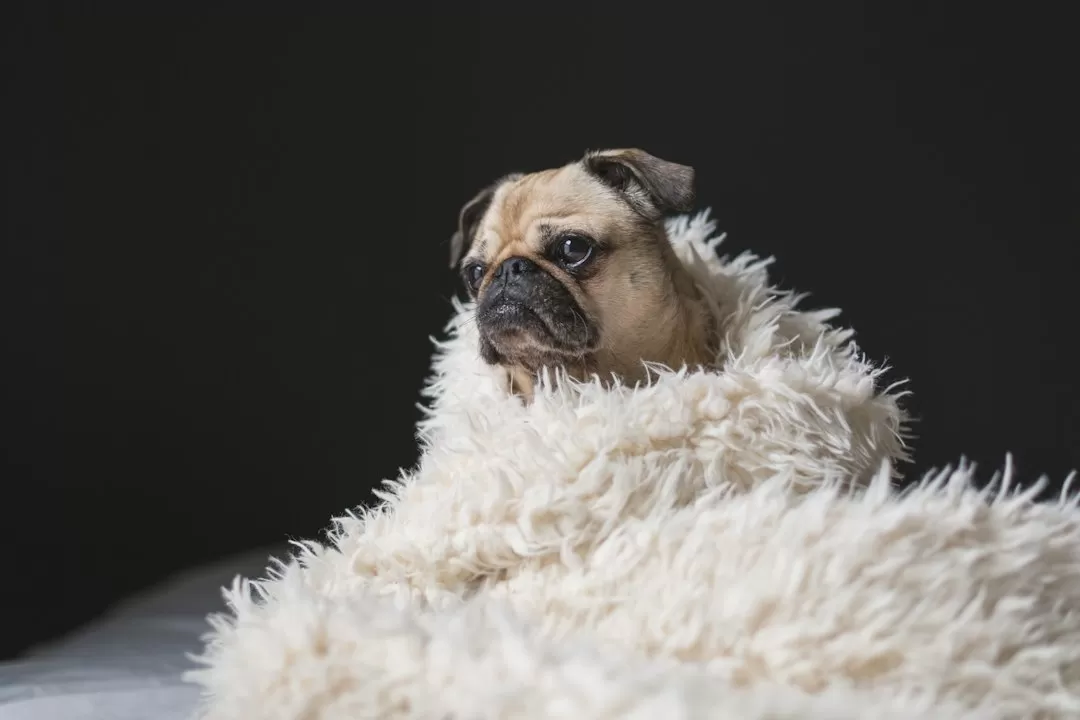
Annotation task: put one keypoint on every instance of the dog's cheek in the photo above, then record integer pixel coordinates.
(589, 299)
(574, 291)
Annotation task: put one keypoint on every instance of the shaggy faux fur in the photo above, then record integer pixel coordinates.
(722, 544)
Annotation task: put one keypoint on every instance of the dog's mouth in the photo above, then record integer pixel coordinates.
(535, 332)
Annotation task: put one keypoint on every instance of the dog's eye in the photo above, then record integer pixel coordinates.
(474, 273)
(574, 250)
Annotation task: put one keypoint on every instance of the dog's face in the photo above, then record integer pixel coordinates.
(570, 267)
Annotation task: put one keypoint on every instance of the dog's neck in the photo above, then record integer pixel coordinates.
(685, 338)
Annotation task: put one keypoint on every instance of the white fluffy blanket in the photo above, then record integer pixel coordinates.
(715, 545)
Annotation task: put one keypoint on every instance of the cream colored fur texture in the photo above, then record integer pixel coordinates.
(719, 545)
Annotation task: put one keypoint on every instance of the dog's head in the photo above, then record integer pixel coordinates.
(570, 267)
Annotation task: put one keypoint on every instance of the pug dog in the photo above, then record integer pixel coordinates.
(571, 268)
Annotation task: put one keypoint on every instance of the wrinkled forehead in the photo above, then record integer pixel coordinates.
(525, 210)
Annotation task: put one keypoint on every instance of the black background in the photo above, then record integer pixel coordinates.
(226, 239)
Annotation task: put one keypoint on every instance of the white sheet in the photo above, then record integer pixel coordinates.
(128, 664)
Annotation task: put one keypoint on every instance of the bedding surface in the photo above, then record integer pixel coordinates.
(128, 664)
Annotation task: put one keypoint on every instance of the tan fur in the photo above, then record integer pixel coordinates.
(643, 301)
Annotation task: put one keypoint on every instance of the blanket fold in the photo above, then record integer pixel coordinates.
(714, 544)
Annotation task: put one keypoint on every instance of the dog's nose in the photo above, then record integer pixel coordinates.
(513, 267)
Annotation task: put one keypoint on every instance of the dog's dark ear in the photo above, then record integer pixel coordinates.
(470, 216)
(653, 186)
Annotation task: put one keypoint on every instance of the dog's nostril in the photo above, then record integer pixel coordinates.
(515, 266)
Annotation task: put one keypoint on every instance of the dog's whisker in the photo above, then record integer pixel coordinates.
(584, 325)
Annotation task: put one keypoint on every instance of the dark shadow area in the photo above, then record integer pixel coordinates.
(226, 240)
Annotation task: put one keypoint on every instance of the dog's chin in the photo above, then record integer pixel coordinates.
(513, 333)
